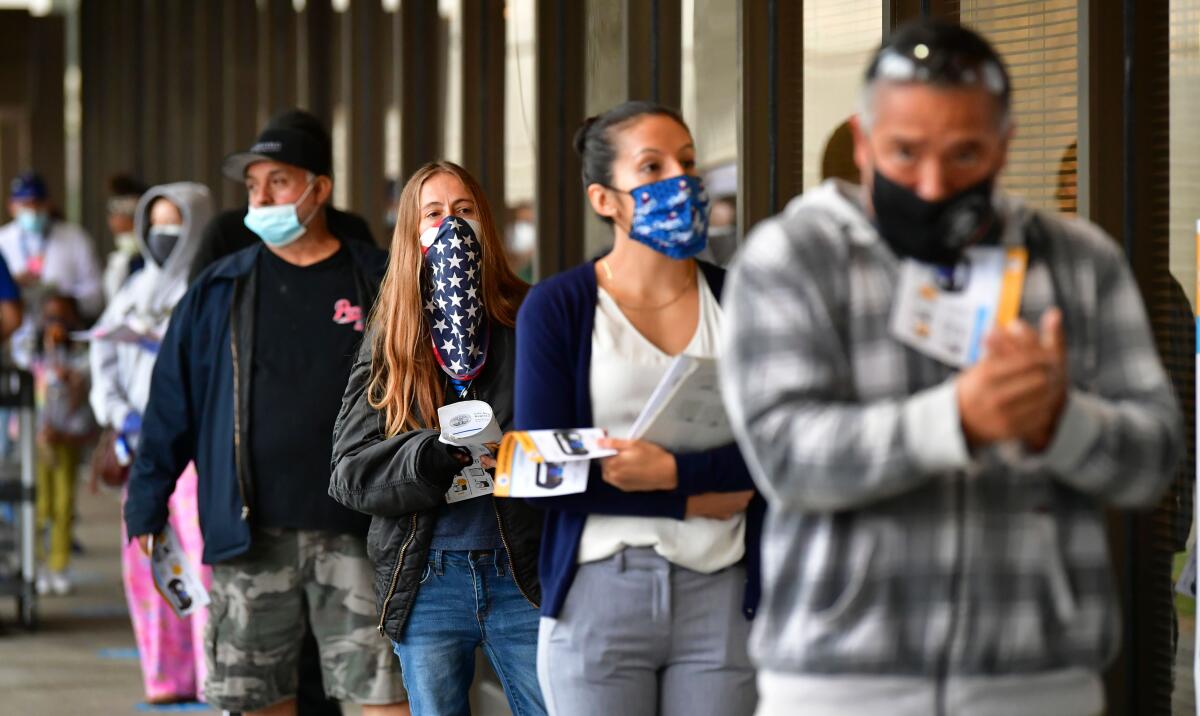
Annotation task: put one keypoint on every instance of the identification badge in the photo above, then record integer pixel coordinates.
(947, 312)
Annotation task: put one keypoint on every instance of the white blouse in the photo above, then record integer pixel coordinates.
(625, 370)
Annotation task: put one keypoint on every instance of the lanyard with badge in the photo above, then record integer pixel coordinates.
(946, 312)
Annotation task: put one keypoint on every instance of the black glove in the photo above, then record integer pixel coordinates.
(439, 462)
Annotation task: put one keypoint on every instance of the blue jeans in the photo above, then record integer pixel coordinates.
(469, 600)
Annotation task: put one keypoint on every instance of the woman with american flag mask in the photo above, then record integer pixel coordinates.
(452, 574)
(650, 576)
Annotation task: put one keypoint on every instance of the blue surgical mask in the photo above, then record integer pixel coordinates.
(671, 216)
(279, 225)
(32, 221)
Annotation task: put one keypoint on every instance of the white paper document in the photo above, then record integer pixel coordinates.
(175, 578)
(470, 424)
(568, 445)
(545, 463)
(122, 333)
(474, 481)
(685, 412)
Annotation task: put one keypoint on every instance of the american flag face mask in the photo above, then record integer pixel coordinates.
(453, 292)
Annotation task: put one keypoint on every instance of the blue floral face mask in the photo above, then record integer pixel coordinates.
(671, 216)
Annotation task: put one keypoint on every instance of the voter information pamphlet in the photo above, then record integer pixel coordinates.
(470, 424)
(175, 578)
(685, 412)
(544, 463)
(474, 481)
(947, 312)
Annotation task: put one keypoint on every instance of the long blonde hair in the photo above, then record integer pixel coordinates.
(406, 382)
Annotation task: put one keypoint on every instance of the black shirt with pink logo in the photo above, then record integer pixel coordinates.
(308, 326)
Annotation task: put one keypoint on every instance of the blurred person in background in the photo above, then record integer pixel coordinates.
(126, 256)
(520, 241)
(167, 224)
(722, 232)
(936, 541)
(44, 255)
(65, 426)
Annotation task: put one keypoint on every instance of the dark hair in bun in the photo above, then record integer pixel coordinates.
(594, 138)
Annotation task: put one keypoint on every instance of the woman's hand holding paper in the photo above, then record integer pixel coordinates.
(638, 466)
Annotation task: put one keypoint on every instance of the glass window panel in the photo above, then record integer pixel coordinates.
(839, 38)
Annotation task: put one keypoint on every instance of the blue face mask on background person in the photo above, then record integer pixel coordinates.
(279, 225)
(671, 216)
(32, 221)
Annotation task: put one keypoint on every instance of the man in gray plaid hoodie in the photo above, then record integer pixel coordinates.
(936, 540)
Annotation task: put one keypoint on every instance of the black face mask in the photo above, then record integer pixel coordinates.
(160, 242)
(933, 232)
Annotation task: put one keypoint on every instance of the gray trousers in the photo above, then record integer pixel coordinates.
(638, 635)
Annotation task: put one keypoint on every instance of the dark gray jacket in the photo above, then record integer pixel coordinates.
(381, 476)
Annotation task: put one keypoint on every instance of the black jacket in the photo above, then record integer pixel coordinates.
(386, 478)
(199, 406)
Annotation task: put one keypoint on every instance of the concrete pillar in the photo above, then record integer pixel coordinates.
(653, 50)
(771, 112)
(277, 60)
(239, 88)
(420, 82)
(359, 93)
(560, 110)
(483, 97)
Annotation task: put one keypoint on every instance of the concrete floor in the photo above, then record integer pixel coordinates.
(82, 659)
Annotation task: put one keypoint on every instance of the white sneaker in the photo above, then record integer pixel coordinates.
(60, 583)
(43, 583)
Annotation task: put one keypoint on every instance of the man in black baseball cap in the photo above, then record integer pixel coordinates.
(293, 137)
(279, 142)
(248, 384)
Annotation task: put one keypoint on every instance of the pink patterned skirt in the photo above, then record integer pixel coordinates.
(171, 649)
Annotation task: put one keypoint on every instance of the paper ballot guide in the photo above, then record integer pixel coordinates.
(470, 424)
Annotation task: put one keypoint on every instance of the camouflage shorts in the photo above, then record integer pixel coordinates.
(260, 601)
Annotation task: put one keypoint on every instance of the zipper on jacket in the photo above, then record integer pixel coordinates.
(412, 532)
(956, 581)
(237, 417)
(511, 569)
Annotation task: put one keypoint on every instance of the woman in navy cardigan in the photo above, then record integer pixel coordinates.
(650, 577)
